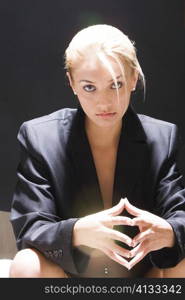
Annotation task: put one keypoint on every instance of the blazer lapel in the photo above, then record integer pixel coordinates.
(131, 159)
(130, 169)
(130, 164)
(87, 195)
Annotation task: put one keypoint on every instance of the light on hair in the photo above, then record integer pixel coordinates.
(104, 40)
(107, 64)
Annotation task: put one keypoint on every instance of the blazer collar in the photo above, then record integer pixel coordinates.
(131, 125)
(130, 163)
(132, 128)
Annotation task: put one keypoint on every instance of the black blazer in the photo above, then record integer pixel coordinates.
(57, 183)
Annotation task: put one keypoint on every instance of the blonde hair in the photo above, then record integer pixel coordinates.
(106, 41)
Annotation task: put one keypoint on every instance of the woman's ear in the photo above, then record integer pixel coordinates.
(134, 80)
(70, 82)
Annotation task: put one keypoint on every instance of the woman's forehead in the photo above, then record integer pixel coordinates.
(91, 67)
(93, 62)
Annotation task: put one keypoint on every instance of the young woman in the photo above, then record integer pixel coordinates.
(98, 192)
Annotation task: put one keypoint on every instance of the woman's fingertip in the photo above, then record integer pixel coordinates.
(130, 243)
(122, 200)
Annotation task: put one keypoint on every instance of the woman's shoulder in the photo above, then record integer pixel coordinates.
(48, 127)
(152, 128)
(59, 118)
(157, 129)
(150, 121)
(61, 114)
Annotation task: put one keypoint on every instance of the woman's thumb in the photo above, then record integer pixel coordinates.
(118, 208)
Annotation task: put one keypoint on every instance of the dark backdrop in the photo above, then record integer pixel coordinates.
(34, 35)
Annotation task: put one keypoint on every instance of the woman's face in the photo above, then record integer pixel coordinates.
(96, 90)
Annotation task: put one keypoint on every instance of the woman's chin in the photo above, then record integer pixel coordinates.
(107, 123)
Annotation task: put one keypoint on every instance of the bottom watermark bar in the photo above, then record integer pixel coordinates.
(134, 289)
(47, 287)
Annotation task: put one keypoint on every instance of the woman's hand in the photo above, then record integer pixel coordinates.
(96, 231)
(155, 233)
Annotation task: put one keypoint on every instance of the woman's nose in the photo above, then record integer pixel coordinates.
(104, 99)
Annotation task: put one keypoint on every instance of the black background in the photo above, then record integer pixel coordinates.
(34, 35)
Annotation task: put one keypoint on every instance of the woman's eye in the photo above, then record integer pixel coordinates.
(119, 84)
(89, 88)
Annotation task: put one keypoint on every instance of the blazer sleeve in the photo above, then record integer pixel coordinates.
(170, 205)
(34, 212)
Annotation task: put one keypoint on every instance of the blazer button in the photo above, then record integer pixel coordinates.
(48, 253)
(55, 253)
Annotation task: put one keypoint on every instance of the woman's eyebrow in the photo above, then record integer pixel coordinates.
(85, 80)
(117, 77)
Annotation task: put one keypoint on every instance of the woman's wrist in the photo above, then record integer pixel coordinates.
(170, 236)
(77, 232)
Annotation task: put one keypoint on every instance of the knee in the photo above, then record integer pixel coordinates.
(26, 263)
(154, 273)
(176, 272)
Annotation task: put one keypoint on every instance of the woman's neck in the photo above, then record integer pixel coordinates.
(102, 137)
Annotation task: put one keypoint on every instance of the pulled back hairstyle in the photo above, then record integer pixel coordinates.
(105, 41)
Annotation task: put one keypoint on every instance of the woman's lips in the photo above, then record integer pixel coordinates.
(106, 114)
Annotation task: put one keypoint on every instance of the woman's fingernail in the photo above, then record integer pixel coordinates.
(130, 254)
(133, 243)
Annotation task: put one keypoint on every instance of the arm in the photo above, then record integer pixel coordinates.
(161, 233)
(170, 205)
(34, 211)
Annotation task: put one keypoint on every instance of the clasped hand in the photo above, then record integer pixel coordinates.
(97, 231)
